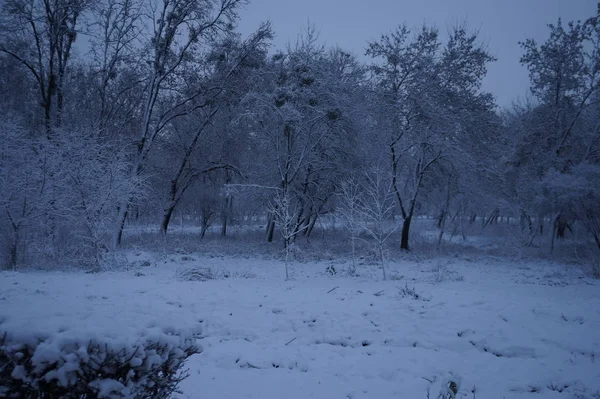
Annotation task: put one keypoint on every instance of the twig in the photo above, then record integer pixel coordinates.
(379, 293)
(331, 290)
(290, 341)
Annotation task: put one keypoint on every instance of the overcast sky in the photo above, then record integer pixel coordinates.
(351, 23)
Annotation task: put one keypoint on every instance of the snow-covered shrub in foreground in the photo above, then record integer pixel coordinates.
(92, 367)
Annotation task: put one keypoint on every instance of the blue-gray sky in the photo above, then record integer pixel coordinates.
(351, 23)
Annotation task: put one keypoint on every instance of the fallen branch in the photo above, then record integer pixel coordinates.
(379, 293)
(290, 341)
(333, 289)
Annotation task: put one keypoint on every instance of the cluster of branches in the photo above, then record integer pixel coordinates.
(82, 369)
(173, 112)
(553, 166)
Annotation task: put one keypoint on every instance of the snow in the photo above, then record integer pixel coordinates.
(501, 329)
(107, 387)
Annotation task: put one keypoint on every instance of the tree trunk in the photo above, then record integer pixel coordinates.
(224, 225)
(227, 210)
(122, 219)
(490, 219)
(164, 225)
(270, 228)
(493, 218)
(552, 235)
(382, 258)
(440, 219)
(441, 226)
(48, 119)
(308, 221)
(203, 230)
(526, 222)
(14, 250)
(227, 206)
(561, 226)
(206, 222)
(306, 225)
(405, 233)
(353, 241)
(596, 238)
(312, 225)
(554, 232)
(287, 259)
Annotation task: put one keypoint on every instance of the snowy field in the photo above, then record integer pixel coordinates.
(498, 329)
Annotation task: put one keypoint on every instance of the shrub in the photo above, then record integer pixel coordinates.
(60, 366)
(198, 274)
(406, 291)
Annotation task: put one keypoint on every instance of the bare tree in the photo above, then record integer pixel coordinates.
(348, 212)
(179, 28)
(223, 82)
(300, 122)
(22, 186)
(285, 212)
(40, 35)
(560, 132)
(115, 32)
(423, 88)
(96, 173)
(375, 211)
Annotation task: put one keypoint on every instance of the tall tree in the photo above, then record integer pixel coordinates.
(179, 30)
(558, 133)
(115, 34)
(301, 125)
(40, 34)
(225, 79)
(427, 93)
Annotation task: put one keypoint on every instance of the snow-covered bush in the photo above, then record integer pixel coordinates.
(60, 198)
(67, 367)
(447, 387)
(198, 274)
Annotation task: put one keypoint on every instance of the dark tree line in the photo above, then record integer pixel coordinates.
(171, 111)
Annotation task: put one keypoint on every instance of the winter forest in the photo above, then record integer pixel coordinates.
(189, 212)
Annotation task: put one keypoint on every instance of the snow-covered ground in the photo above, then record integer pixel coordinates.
(500, 329)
